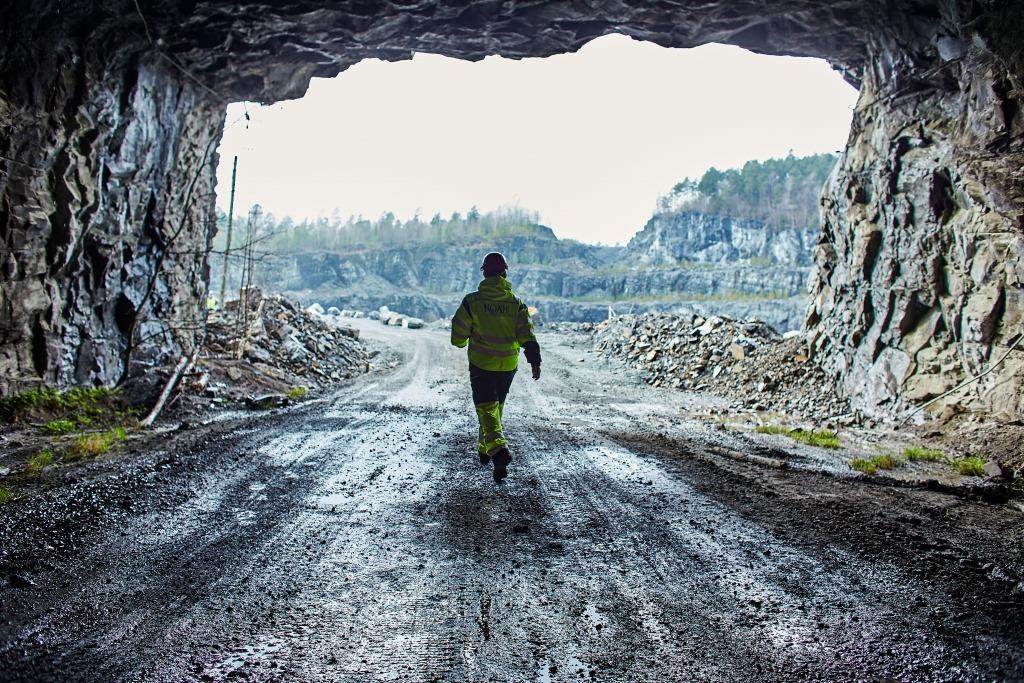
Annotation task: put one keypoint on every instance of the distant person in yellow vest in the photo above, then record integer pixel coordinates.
(495, 323)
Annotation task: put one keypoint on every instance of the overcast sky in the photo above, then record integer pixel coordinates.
(590, 140)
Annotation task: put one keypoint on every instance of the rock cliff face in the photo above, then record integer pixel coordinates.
(702, 238)
(567, 280)
(106, 200)
(920, 277)
(109, 112)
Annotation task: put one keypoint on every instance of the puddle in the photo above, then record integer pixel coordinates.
(543, 674)
(294, 448)
(624, 465)
(255, 655)
(245, 517)
(226, 415)
(332, 500)
(592, 617)
(573, 666)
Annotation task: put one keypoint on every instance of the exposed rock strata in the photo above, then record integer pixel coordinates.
(693, 262)
(109, 199)
(695, 237)
(920, 268)
(105, 108)
(574, 275)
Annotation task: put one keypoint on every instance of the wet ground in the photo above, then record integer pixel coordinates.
(358, 539)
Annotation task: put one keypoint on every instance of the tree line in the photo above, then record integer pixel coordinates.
(332, 233)
(782, 193)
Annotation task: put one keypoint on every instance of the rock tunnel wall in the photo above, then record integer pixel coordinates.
(919, 280)
(110, 113)
(106, 195)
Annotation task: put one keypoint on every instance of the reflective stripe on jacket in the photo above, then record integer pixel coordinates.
(495, 324)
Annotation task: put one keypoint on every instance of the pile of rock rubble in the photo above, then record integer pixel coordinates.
(747, 361)
(271, 344)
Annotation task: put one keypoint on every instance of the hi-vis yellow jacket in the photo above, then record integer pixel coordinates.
(496, 324)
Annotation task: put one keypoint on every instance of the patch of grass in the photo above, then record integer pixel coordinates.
(56, 427)
(36, 403)
(865, 465)
(15, 408)
(823, 438)
(88, 445)
(878, 462)
(95, 444)
(887, 462)
(772, 429)
(40, 461)
(5, 495)
(67, 411)
(972, 466)
(298, 392)
(128, 416)
(920, 453)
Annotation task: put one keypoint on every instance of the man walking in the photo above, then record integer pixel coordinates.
(495, 324)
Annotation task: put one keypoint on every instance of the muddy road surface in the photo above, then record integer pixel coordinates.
(357, 538)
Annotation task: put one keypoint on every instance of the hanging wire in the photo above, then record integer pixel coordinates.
(1020, 338)
(157, 45)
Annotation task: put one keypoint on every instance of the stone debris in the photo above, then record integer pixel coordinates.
(747, 361)
(283, 347)
(396, 319)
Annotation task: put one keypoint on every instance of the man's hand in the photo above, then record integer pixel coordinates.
(536, 371)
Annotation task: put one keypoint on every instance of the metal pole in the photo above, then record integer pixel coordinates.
(227, 249)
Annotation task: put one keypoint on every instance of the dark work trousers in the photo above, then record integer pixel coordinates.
(490, 387)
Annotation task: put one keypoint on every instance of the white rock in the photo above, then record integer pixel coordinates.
(992, 469)
(706, 329)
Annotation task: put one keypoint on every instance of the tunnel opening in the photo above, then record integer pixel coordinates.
(428, 161)
(940, 89)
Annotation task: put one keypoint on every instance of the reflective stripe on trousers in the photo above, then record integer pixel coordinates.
(491, 436)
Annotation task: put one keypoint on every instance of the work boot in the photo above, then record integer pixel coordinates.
(484, 458)
(501, 460)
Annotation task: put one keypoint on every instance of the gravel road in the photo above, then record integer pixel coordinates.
(358, 539)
